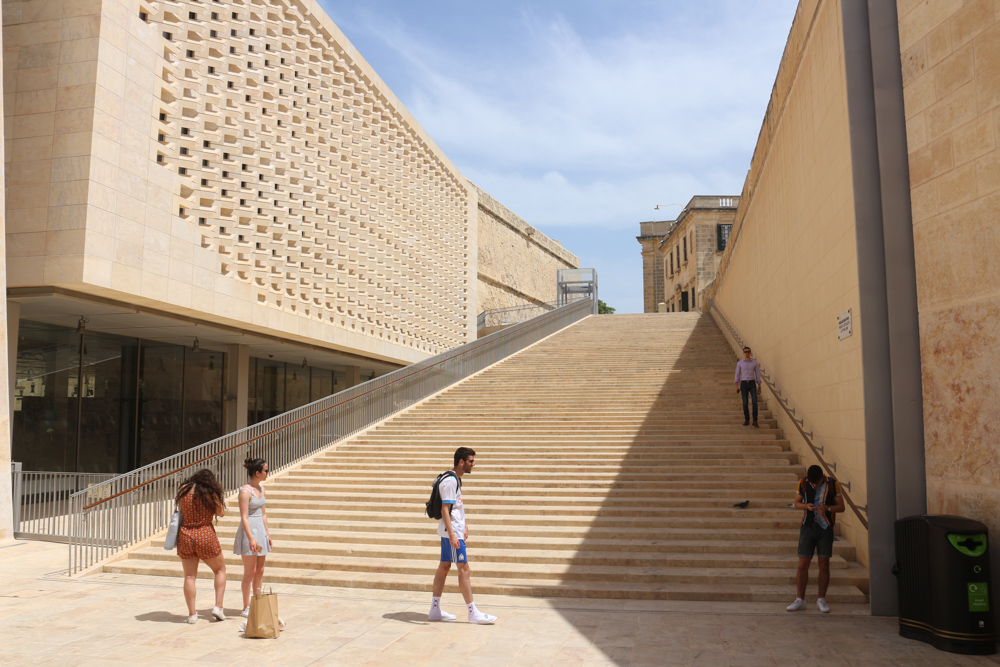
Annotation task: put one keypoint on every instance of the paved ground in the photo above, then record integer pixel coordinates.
(109, 619)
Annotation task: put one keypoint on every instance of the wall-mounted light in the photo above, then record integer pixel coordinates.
(196, 346)
(304, 362)
(82, 325)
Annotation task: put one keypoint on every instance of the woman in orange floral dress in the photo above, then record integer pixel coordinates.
(201, 499)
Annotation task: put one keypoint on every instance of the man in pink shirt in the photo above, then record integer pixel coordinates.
(748, 373)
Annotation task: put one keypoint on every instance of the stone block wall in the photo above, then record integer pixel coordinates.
(653, 275)
(517, 263)
(951, 83)
(791, 264)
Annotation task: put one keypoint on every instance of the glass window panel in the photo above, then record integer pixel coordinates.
(105, 428)
(203, 373)
(252, 393)
(270, 387)
(297, 387)
(322, 383)
(161, 374)
(45, 397)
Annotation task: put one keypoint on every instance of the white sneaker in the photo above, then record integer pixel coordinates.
(441, 616)
(192, 619)
(797, 605)
(246, 612)
(823, 606)
(218, 614)
(482, 619)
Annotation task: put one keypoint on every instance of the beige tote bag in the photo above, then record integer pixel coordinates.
(262, 623)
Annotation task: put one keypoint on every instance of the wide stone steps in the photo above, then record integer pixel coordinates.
(422, 564)
(739, 590)
(610, 457)
(528, 552)
(674, 496)
(771, 544)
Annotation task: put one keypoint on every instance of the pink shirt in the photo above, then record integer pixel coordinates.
(747, 371)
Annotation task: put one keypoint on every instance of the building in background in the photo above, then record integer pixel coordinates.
(680, 257)
(218, 212)
(650, 235)
(692, 248)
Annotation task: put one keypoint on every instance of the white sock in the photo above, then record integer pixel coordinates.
(436, 603)
(472, 609)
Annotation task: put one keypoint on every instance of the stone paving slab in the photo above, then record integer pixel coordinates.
(107, 619)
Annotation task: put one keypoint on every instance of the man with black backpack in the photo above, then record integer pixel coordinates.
(446, 504)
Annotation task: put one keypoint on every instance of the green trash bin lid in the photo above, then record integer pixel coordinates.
(970, 545)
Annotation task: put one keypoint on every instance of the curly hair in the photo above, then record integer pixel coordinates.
(207, 490)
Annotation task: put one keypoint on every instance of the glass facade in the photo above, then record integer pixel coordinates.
(97, 402)
(277, 387)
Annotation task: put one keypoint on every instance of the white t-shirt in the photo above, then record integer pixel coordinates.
(451, 494)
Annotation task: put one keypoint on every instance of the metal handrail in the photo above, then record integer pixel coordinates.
(126, 509)
(42, 501)
(513, 314)
(818, 451)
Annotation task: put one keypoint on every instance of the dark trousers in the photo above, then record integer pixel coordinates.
(749, 388)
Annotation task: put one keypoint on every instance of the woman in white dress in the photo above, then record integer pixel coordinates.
(253, 539)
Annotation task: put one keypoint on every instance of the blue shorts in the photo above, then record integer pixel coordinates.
(451, 555)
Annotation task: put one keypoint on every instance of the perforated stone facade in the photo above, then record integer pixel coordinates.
(238, 159)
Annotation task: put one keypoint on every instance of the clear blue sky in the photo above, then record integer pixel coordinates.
(581, 115)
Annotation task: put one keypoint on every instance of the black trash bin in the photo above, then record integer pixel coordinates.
(943, 566)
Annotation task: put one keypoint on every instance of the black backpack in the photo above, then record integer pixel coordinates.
(433, 507)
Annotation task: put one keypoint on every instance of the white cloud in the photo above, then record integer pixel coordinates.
(581, 122)
(625, 121)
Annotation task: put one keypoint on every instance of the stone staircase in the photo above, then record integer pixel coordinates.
(609, 457)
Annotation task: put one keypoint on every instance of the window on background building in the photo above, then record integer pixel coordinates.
(678, 248)
(722, 236)
(671, 263)
(684, 242)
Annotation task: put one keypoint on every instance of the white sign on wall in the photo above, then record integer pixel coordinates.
(845, 326)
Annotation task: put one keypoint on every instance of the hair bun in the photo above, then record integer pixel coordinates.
(254, 465)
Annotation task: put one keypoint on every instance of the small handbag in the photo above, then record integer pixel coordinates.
(170, 541)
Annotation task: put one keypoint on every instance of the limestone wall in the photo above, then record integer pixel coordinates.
(234, 161)
(951, 77)
(790, 266)
(517, 263)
